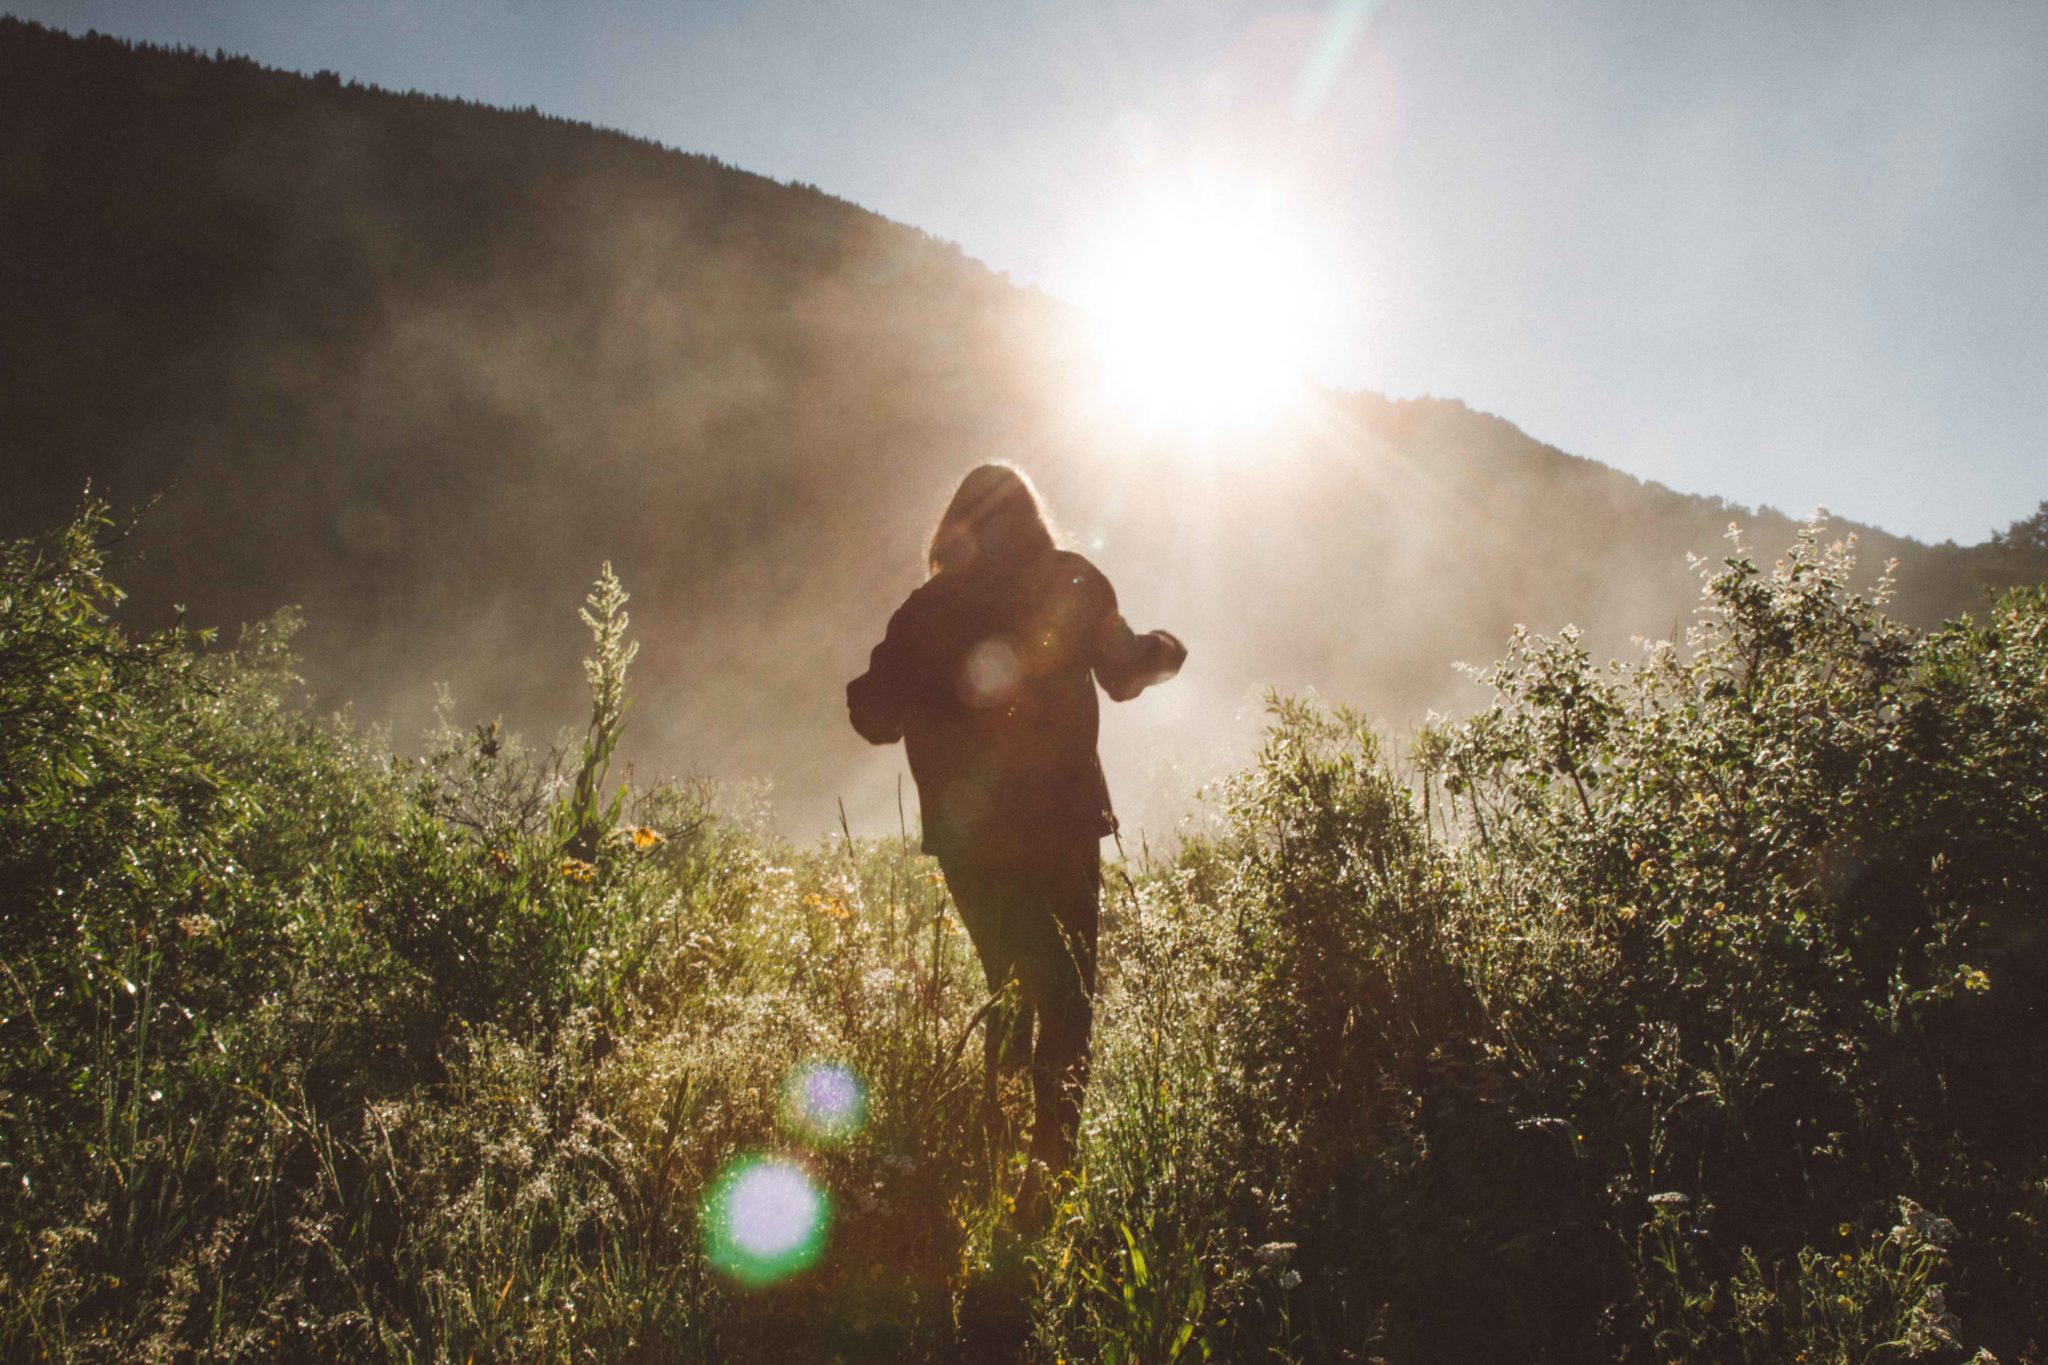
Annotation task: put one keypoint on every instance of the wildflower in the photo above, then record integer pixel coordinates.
(1916, 1223)
(831, 907)
(577, 870)
(1290, 1278)
(199, 925)
(1273, 1253)
(1670, 1199)
(1933, 1317)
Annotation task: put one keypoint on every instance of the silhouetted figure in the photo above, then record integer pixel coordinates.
(987, 675)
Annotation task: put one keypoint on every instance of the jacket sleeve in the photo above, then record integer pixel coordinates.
(877, 700)
(1125, 662)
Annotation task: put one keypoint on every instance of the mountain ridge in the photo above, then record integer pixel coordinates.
(418, 365)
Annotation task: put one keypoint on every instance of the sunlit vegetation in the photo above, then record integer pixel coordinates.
(1687, 1009)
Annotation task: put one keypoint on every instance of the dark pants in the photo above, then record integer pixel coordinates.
(1033, 920)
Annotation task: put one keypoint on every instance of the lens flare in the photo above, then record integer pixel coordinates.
(764, 1220)
(824, 1102)
(990, 675)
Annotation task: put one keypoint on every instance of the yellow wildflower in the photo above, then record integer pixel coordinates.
(577, 870)
(831, 907)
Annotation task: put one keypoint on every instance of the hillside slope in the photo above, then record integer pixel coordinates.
(418, 366)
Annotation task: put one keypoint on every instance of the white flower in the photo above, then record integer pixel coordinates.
(1289, 1278)
(1916, 1222)
(1272, 1253)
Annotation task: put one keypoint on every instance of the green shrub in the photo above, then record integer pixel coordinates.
(1686, 1009)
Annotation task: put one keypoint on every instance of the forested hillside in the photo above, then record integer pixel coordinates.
(415, 364)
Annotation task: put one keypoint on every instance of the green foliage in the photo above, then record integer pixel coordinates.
(1651, 979)
(2017, 556)
(169, 909)
(586, 817)
(1685, 1009)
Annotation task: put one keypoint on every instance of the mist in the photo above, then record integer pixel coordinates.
(418, 367)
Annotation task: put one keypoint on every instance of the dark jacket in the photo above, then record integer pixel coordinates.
(987, 675)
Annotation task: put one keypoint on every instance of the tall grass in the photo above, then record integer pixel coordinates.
(1681, 1010)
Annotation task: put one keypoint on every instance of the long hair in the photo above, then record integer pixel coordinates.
(995, 517)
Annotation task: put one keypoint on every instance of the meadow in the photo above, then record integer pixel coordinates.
(1688, 1008)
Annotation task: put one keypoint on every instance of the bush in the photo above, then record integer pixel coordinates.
(1651, 978)
(1679, 1010)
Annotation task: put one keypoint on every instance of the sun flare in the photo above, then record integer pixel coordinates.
(1207, 296)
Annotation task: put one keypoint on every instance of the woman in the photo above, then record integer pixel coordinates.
(987, 675)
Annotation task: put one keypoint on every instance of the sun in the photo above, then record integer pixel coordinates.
(1208, 298)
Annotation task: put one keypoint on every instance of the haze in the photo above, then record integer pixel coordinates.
(418, 367)
(1787, 254)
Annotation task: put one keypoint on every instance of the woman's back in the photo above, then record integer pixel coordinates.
(988, 675)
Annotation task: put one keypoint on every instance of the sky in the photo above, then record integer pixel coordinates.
(1789, 253)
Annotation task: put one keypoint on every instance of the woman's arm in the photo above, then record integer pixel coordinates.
(1127, 663)
(877, 700)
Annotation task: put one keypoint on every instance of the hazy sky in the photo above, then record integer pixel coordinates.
(1790, 253)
